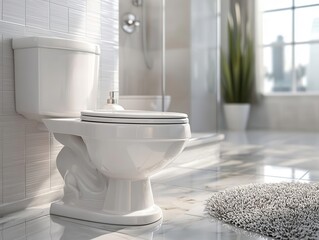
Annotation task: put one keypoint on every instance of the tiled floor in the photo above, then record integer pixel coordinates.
(182, 189)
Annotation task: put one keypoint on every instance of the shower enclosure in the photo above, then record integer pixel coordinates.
(169, 58)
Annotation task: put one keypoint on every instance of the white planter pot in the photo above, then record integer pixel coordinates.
(236, 116)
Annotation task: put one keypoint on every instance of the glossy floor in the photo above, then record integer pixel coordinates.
(182, 189)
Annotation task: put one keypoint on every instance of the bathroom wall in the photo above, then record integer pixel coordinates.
(135, 77)
(28, 173)
(178, 54)
(192, 61)
(295, 113)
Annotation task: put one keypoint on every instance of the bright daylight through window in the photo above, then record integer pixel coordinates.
(290, 45)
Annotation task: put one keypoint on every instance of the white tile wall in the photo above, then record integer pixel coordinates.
(93, 18)
(59, 18)
(81, 4)
(37, 13)
(14, 11)
(37, 161)
(1, 150)
(28, 155)
(8, 73)
(13, 166)
(1, 66)
(1, 8)
(60, 2)
(56, 179)
(77, 22)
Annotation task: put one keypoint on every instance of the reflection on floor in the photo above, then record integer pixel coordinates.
(181, 190)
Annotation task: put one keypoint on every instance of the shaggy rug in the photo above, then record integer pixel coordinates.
(277, 210)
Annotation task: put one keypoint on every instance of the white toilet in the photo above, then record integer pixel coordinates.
(108, 156)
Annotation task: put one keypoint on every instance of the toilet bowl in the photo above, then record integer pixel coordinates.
(108, 156)
(122, 149)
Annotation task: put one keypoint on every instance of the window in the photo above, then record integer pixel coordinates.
(290, 45)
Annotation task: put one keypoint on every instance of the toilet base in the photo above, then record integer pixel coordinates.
(137, 218)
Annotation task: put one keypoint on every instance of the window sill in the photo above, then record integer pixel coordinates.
(291, 94)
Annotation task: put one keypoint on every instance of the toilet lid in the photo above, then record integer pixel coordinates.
(134, 117)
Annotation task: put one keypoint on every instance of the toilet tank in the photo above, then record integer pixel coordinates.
(54, 77)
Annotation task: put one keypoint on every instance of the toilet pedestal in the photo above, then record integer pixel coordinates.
(90, 196)
(136, 218)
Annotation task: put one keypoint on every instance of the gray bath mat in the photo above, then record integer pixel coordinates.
(278, 210)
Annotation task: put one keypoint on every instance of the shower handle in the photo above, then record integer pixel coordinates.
(130, 23)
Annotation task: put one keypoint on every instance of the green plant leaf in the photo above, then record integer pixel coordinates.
(226, 82)
(237, 81)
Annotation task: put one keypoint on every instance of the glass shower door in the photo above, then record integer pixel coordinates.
(141, 54)
(192, 61)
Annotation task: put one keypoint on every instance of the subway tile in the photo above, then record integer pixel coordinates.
(94, 6)
(60, 2)
(58, 18)
(13, 183)
(109, 30)
(8, 65)
(11, 29)
(34, 31)
(28, 165)
(13, 145)
(109, 19)
(37, 13)
(111, 7)
(1, 150)
(0, 9)
(56, 178)
(37, 144)
(93, 25)
(1, 104)
(37, 161)
(37, 178)
(77, 22)
(14, 11)
(11, 120)
(93, 19)
(8, 103)
(1, 63)
(109, 59)
(78, 4)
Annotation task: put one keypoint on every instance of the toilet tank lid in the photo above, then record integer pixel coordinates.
(55, 43)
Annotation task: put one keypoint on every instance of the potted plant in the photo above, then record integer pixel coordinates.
(237, 65)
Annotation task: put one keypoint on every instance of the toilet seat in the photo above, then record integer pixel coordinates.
(134, 117)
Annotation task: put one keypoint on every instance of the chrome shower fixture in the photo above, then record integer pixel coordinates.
(137, 3)
(130, 23)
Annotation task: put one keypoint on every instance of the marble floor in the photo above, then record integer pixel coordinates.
(182, 189)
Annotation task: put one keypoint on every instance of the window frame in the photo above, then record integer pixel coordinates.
(294, 91)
